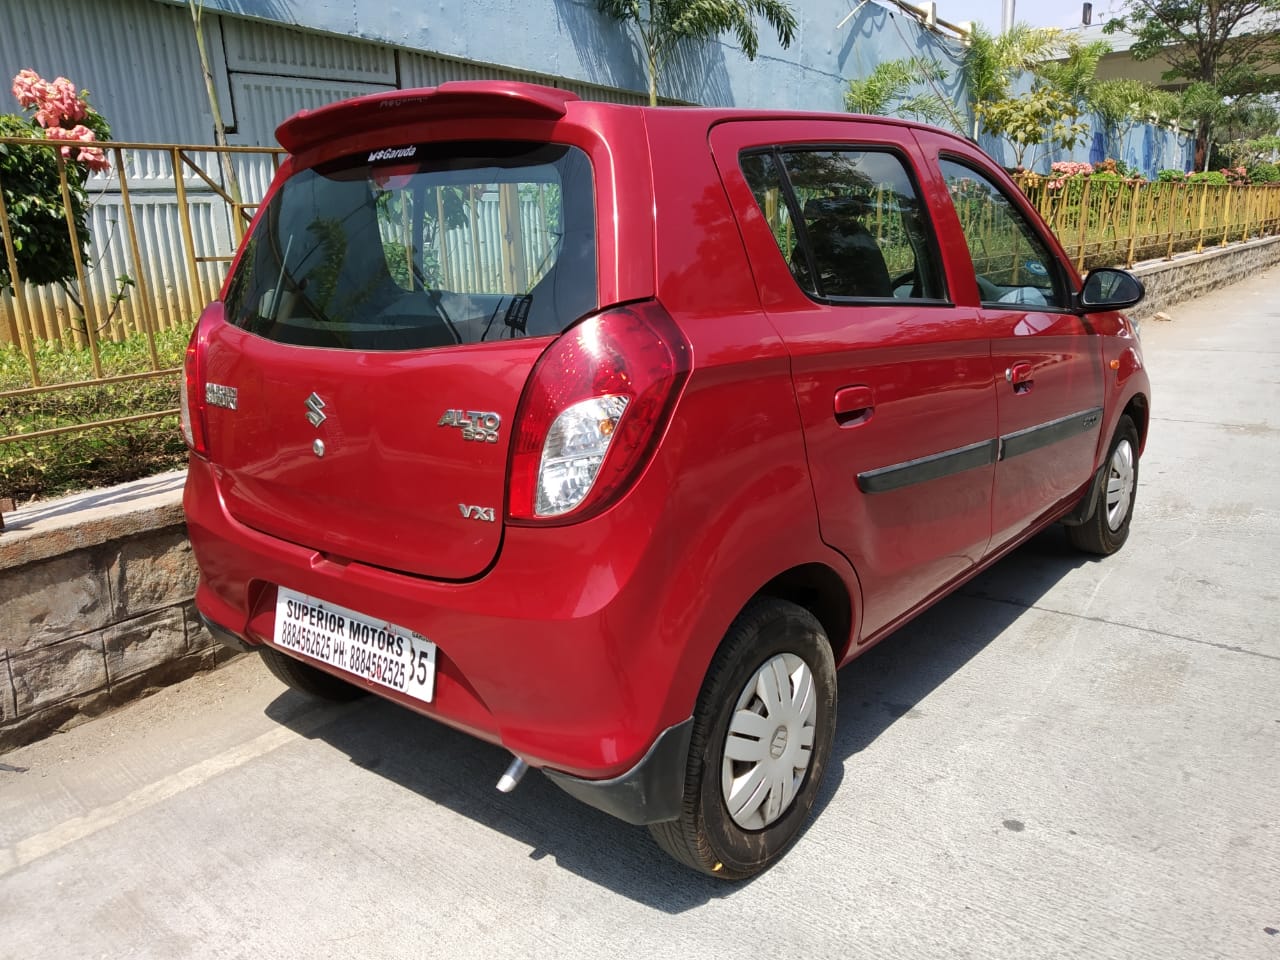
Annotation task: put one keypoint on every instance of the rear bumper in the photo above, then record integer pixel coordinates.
(578, 679)
(649, 792)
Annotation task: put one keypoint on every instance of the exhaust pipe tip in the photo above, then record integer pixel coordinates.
(513, 775)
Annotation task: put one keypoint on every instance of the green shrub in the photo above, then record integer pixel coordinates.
(1106, 182)
(1264, 173)
(1215, 177)
(1128, 172)
(1171, 176)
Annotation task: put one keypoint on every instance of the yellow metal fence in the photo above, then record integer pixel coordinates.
(1105, 222)
(165, 217)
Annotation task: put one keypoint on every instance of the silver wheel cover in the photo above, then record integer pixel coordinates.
(1119, 484)
(769, 743)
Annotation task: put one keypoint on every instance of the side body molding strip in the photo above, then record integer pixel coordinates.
(928, 468)
(1043, 434)
(948, 462)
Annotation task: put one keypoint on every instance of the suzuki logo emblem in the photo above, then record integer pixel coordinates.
(315, 410)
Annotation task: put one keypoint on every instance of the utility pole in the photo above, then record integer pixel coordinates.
(1006, 15)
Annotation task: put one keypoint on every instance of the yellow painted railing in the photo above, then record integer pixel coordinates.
(164, 219)
(1105, 222)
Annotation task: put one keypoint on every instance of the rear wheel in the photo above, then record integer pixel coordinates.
(307, 679)
(762, 736)
(1107, 528)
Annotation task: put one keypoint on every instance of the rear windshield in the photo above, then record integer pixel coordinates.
(423, 246)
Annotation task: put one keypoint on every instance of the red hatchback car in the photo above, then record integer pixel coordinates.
(607, 433)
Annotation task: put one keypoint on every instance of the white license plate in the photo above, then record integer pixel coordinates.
(388, 655)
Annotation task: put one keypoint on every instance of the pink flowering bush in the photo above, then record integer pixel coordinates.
(32, 180)
(56, 103)
(1236, 176)
(1063, 170)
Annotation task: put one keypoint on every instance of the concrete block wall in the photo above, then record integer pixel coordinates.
(95, 606)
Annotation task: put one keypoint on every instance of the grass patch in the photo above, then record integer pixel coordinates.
(50, 466)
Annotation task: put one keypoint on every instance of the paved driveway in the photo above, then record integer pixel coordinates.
(1069, 759)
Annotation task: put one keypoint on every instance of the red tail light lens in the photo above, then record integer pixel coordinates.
(594, 408)
(191, 400)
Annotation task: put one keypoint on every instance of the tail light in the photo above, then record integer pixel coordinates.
(595, 407)
(191, 400)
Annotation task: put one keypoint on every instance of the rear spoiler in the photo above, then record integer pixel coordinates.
(490, 98)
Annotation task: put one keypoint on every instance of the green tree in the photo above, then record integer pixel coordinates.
(888, 90)
(1042, 116)
(661, 24)
(1248, 119)
(1121, 105)
(1201, 105)
(1259, 150)
(1231, 44)
(1076, 73)
(991, 63)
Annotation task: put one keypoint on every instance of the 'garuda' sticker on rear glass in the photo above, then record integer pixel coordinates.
(393, 153)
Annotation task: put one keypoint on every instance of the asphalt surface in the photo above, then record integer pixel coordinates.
(1070, 758)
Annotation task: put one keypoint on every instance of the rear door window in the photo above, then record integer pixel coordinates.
(848, 222)
(423, 246)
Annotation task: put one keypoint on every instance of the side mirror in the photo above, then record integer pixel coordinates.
(1109, 289)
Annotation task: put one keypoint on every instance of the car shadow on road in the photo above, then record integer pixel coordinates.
(456, 771)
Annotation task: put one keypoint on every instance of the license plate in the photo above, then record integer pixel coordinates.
(388, 655)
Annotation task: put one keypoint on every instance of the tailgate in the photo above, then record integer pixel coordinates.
(363, 374)
(397, 460)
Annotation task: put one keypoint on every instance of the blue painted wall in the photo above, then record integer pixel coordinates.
(570, 39)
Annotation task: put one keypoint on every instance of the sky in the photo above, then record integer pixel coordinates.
(1038, 13)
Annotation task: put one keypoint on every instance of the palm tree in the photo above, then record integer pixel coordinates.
(887, 91)
(1075, 75)
(1120, 105)
(661, 24)
(991, 62)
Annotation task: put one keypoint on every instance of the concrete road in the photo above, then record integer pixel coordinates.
(1069, 759)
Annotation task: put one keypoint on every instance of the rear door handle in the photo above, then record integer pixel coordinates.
(1020, 376)
(854, 405)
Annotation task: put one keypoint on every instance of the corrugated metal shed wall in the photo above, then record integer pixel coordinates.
(255, 47)
(135, 58)
(275, 71)
(138, 59)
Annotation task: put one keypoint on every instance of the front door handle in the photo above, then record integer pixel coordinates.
(1020, 376)
(854, 405)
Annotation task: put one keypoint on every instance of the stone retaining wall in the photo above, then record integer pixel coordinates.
(95, 606)
(1191, 275)
(95, 590)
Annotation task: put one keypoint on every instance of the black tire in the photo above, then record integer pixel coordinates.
(706, 836)
(307, 679)
(1103, 534)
